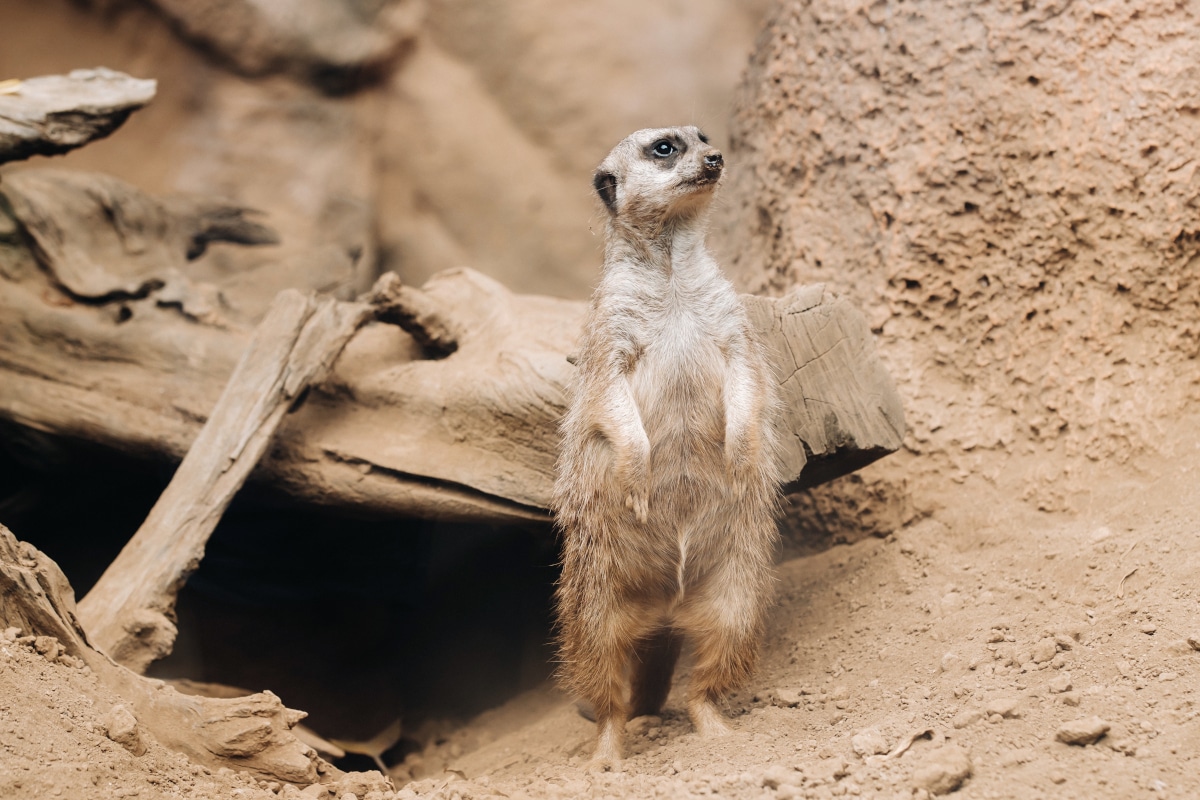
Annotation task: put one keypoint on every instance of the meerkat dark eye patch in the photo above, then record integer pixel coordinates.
(702, 137)
(606, 187)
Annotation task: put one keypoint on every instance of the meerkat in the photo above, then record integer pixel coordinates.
(668, 480)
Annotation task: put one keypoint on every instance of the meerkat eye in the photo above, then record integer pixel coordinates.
(663, 149)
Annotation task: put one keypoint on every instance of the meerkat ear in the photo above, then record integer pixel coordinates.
(606, 187)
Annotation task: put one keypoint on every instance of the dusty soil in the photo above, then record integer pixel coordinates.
(976, 634)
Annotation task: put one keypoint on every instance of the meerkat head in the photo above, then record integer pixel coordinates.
(659, 174)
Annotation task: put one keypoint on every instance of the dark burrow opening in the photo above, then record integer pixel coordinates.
(359, 622)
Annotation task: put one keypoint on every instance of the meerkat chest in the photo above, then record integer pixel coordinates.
(682, 368)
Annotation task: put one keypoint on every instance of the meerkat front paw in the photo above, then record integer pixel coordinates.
(638, 501)
(633, 474)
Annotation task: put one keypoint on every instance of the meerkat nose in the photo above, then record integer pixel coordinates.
(713, 161)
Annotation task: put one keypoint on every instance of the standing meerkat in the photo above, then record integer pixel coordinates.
(668, 477)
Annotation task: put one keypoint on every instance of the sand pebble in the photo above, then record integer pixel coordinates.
(944, 770)
(869, 742)
(1004, 706)
(1061, 683)
(638, 726)
(122, 727)
(1083, 731)
(1194, 642)
(1148, 628)
(1043, 651)
(788, 697)
(967, 718)
(776, 775)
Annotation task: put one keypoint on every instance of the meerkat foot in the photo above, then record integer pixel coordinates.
(608, 749)
(708, 720)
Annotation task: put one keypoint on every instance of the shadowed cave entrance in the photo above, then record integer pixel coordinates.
(358, 622)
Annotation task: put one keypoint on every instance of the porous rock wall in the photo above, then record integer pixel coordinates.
(1010, 190)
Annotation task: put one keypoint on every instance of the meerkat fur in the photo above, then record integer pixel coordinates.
(668, 480)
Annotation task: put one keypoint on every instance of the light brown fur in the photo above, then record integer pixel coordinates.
(668, 474)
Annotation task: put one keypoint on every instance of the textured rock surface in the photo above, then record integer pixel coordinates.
(1010, 191)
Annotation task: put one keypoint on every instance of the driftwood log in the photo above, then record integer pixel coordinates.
(450, 414)
(56, 113)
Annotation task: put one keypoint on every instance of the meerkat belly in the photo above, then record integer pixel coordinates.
(678, 386)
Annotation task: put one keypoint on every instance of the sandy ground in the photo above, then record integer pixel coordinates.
(958, 651)
(979, 638)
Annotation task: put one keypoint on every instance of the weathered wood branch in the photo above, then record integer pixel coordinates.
(453, 417)
(129, 613)
(245, 733)
(56, 113)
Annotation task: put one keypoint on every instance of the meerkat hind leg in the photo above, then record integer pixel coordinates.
(653, 665)
(722, 625)
(600, 674)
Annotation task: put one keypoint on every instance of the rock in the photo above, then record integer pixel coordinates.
(951, 662)
(788, 697)
(336, 44)
(944, 770)
(1148, 628)
(869, 742)
(1004, 706)
(1061, 683)
(967, 718)
(122, 727)
(839, 693)
(1044, 651)
(48, 646)
(1085, 731)
(1194, 642)
(1070, 698)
